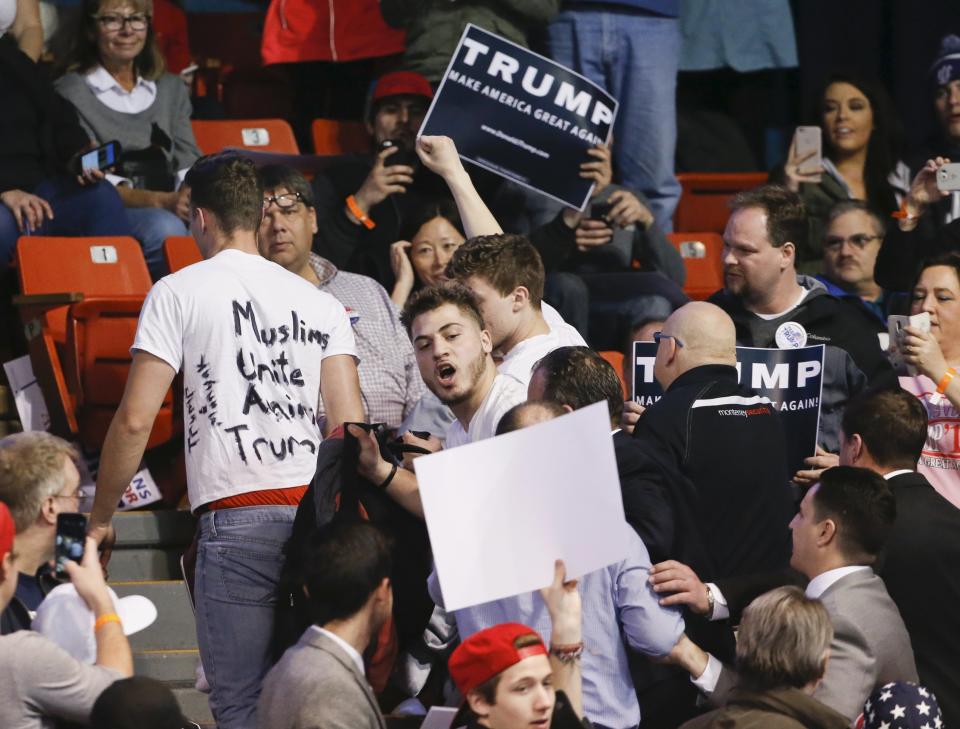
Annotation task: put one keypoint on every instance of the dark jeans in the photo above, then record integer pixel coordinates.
(77, 210)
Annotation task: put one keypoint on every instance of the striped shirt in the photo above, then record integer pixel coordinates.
(390, 382)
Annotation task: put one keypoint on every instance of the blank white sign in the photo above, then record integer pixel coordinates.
(501, 511)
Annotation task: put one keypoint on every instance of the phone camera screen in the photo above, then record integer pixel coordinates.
(68, 547)
(90, 161)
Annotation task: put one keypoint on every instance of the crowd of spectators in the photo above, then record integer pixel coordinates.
(407, 288)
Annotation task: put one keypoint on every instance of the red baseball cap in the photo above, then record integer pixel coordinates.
(485, 654)
(400, 83)
(7, 530)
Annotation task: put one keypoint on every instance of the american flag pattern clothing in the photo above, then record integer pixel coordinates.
(901, 705)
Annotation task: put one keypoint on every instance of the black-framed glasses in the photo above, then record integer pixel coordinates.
(111, 22)
(857, 240)
(657, 336)
(286, 201)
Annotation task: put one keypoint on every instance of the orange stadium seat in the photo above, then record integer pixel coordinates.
(339, 137)
(180, 251)
(80, 304)
(705, 197)
(616, 361)
(702, 256)
(258, 135)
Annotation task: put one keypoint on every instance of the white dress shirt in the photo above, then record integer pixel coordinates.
(349, 649)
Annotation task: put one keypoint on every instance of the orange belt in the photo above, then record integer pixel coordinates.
(289, 496)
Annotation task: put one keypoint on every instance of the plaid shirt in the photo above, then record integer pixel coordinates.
(390, 382)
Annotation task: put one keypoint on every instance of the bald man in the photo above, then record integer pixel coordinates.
(715, 454)
(529, 413)
(719, 450)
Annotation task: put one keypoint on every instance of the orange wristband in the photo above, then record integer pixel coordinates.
(903, 213)
(945, 382)
(104, 619)
(354, 208)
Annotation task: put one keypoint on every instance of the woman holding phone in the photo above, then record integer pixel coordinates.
(936, 356)
(40, 141)
(860, 143)
(118, 85)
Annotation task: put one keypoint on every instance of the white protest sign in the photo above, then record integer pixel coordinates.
(26, 394)
(500, 511)
(439, 717)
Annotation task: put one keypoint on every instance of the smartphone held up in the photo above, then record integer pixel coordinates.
(948, 177)
(809, 153)
(71, 536)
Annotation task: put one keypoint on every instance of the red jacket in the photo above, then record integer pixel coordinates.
(170, 29)
(327, 30)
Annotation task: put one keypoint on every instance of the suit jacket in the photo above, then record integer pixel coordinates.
(316, 685)
(870, 645)
(922, 572)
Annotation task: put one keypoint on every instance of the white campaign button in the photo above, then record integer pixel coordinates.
(791, 335)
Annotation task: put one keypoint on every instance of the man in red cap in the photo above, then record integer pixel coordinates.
(38, 679)
(363, 200)
(510, 679)
(488, 665)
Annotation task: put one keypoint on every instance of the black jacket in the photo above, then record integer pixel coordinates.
(353, 247)
(39, 130)
(902, 253)
(853, 360)
(922, 573)
(645, 504)
(722, 475)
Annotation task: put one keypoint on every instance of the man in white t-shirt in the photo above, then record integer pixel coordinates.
(506, 274)
(453, 350)
(257, 346)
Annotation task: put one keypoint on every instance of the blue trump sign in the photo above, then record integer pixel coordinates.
(521, 115)
(791, 379)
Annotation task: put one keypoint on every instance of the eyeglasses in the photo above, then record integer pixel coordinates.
(657, 336)
(78, 493)
(858, 241)
(286, 201)
(137, 21)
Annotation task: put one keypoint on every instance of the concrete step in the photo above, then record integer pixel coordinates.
(167, 528)
(194, 705)
(170, 666)
(174, 628)
(128, 565)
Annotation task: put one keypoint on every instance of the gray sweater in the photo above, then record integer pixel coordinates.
(170, 111)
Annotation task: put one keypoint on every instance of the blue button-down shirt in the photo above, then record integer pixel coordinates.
(618, 606)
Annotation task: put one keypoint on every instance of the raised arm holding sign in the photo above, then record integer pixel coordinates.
(521, 115)
(439, 154)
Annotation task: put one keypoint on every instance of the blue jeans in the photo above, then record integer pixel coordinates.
(634, 56)
(77, 210)
(152, 226)
(239, 558)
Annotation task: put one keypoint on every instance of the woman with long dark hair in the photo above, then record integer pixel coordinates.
(934, 353)
(861, 145)
(430, 238)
